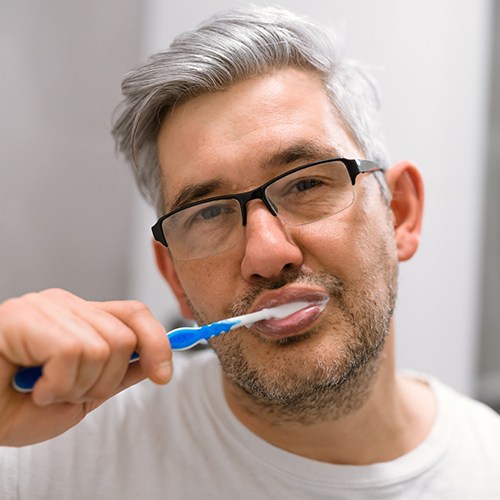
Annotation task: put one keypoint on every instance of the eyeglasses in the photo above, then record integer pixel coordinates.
(300, 196)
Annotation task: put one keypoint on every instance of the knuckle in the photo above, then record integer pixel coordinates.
(119, 336)
(140, 317)
(70, 348)
(136, 307)
(98, 351)
(74, 349)
(56, 293)
(14, 305)
(9, 306)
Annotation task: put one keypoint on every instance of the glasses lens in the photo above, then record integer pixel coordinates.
(312, 193)
(204, 229)
(307, 195)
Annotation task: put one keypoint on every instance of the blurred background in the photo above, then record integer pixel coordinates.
(70, 216)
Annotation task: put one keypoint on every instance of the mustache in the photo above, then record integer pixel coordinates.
(333, 285)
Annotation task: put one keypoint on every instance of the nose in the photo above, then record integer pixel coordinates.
(269, 248)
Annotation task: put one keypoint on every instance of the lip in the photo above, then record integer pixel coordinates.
(297, 322)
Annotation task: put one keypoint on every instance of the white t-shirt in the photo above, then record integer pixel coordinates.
(181, 441)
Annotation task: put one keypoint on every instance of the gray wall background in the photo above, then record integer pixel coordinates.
(70, 214)
(65, 197)
(489, 354)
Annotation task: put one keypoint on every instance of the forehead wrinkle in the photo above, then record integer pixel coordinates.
(299, 152)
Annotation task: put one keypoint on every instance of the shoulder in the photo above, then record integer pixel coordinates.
(453, 404)
(467, 428)
(461, 423)
(464, 407)
(475, 422)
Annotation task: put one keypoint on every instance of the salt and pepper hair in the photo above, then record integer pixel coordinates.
(228, 48)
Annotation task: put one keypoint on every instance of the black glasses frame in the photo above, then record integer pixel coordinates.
(354, 168)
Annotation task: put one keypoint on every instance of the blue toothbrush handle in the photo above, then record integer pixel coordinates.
(187, 337)
(180, 339)
(25, 378)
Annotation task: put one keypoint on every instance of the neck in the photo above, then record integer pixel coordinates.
(390, 418)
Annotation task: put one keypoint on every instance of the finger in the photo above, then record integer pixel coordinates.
(29, 336)
(107, 345)
(81, 350)
(75, 366)
(78, 352)
(121, 341)
(18, 318)
(36, 331)
(152, 341)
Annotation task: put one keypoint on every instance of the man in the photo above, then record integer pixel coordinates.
(260, 146)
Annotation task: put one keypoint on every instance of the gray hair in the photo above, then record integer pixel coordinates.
(230, 47)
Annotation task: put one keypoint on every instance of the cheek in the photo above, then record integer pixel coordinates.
(334, 245)
(207, 284)
(376, 246)
(352, 243)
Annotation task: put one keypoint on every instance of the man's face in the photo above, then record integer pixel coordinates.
(233, 141)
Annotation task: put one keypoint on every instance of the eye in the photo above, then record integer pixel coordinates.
(210, 212)
(305, 184)
(303, 189)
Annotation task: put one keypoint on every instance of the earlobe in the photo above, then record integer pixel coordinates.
(167, 270)
(406, 185)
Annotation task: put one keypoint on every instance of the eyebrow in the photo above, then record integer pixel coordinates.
(304, 152)
(194, 192)
(300, 152)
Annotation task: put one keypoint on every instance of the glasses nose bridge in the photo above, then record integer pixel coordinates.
(256, 194)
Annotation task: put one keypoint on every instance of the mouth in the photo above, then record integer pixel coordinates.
(295, 324)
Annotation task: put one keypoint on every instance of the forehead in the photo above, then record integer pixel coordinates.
(228, 137)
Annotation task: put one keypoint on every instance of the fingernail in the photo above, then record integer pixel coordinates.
(164, 372)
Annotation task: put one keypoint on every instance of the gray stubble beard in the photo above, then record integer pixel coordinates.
(327, 391)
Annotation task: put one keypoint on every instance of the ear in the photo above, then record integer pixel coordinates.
(166, 267)
(407, 204)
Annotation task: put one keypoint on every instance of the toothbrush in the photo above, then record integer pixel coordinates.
(186, 337)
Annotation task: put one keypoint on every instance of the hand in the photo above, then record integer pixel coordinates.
(84, 348)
